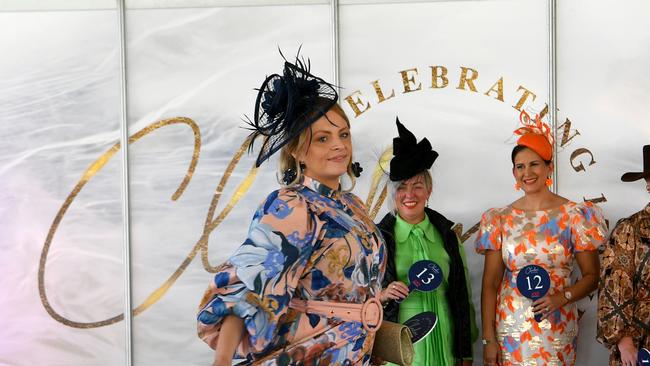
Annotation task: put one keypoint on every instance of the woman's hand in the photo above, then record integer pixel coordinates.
(548, 304)
(395, 290)
(628, 351)
(232, 331)
(491, 355)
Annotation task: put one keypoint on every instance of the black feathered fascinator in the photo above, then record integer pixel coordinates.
(286, 104)
(409, 156)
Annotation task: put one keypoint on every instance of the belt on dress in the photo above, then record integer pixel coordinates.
(370, 313)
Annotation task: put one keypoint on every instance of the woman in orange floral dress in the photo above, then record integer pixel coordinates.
(547, 230)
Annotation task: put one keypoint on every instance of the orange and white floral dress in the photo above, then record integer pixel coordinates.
(549, 239)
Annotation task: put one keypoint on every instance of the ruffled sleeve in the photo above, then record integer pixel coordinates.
(588, 227)
(490, 232)
(258, 281)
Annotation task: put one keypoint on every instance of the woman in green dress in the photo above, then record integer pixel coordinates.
(414, 232)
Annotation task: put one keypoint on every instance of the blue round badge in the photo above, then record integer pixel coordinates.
(425, 276)
(533, 282)
(643, 358)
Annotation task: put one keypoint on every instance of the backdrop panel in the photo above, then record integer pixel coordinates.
(203, 64)
(457, 72)
(603, 97)
(59, 109)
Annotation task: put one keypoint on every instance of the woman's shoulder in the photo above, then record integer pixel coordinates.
(352, 198)
(587, 210)
(497, 212)
(283, 201)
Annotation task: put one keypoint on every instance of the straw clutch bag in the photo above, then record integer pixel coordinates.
(393, 343)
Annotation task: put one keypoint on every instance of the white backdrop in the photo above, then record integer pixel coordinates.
(60, 111)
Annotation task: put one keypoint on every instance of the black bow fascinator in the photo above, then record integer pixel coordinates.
(409, 156)
(286, 104)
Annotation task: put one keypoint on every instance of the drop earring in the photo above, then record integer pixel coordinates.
(356, 169)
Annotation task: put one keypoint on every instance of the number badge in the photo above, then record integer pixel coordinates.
(643, 358)
(533, 282)
(425, 276)
(421, 325)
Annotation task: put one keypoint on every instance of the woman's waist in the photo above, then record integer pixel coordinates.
(368, 313)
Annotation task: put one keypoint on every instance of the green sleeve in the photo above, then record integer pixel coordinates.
(472, 311)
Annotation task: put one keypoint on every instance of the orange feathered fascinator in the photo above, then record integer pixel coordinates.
(535, 135)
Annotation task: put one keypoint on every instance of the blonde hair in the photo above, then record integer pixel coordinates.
(298, 143)
(393, 186)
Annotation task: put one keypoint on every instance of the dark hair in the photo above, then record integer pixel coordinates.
(519, 148)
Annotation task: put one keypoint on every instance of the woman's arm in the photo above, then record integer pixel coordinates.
(589, 269)
(232, 329)
(493, 269)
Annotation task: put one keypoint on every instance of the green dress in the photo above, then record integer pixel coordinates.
(418, 242)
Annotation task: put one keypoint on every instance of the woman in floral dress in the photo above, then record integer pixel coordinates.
(310, 248)
(547, 230)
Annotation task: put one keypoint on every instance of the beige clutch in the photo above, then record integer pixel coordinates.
(393, 344)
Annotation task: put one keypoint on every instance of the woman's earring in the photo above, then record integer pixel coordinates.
(356, 169)
(517, 186)
(549, 182)
(289, 176)
(302, 166)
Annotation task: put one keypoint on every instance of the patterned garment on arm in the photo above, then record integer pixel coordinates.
(308, 242)
(624, 289)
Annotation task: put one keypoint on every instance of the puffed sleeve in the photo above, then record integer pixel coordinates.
(490, 232)
(258, 281)
(588, 227)
(616, 293)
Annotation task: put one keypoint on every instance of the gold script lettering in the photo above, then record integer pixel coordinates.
(380, 94)
(465, 80)
(458, 228)
(407, 80)
(565, 134)
(498, 88)
(355, 103)
(438, 72)
(527, 93)
(579, 152)
(210, 225)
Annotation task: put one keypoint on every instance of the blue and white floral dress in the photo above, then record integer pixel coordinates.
(312, 243)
